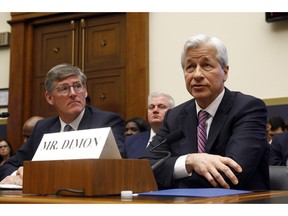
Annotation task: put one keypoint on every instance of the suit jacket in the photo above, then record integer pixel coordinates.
(136, 144)
(279, 149)
(92, 118)
(238, 131)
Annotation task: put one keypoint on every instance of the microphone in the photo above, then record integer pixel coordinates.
(4, 115)
(171, 138)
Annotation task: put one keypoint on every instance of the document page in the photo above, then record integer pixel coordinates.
(10, 186)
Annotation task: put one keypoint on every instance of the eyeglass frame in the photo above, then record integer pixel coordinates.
(69, 89)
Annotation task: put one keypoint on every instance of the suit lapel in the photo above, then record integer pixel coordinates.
(189, 118)
(55, 126)
(219, 118)
(85, 122)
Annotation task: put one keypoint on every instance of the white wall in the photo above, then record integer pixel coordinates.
(4, 52)
(258, 51)
(4, 55)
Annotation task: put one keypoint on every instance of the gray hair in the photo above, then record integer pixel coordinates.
(160, 94)
(195, 41)
(60, 72)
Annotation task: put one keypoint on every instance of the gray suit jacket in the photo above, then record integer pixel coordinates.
(93, 118)
(238, 131)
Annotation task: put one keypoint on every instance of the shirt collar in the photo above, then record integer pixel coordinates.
(152, 134)
(74, 124)
(212, 108)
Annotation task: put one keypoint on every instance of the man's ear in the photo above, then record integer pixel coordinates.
(225, 70)
(49, 98)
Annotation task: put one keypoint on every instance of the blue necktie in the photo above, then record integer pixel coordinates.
(68, 128)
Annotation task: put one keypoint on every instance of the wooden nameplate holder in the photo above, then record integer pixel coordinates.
(88, 177)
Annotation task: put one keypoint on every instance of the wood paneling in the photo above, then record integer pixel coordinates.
(111, 48)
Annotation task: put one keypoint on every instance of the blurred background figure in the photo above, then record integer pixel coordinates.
(6, 151)
(275, 125)
(158, 104)
(136, 125)
(29, 126)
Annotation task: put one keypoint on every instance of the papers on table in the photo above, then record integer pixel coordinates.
(10, 186)
(195, 192)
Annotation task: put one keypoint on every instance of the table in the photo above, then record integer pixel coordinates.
(16, 197)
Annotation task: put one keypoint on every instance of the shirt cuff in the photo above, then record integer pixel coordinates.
(14, 173)
(180, 168)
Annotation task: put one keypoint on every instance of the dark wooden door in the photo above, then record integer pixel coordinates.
(104, 61)
(96, 45)
(110, 48)
(52, 46)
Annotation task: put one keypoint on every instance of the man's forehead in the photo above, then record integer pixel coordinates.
(202, 52)
(201, 57)
(158, 100)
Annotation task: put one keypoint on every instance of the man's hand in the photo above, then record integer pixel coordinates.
(14, 179)
(20, 172)
(17, 180)
(210, 166)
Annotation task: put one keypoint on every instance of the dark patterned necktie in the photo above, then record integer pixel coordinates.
(201, 131)
(68, 128)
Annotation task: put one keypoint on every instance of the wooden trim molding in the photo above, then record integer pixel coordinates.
(276, 101)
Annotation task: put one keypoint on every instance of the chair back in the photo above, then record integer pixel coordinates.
(278, 177)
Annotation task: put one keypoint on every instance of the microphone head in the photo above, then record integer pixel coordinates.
(4, 115)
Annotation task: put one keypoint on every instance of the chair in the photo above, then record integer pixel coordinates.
(278, 177)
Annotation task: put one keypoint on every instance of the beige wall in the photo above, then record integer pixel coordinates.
(4, 52)
(258, 51)
(4, 55)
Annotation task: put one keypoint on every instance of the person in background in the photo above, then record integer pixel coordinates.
(6, 151)
(278, 136)
(6, 148)
(223, 142)
(275, 125)
(135, 126)
(158, 104)
(279, 150)
(65, 90)
(28, 127)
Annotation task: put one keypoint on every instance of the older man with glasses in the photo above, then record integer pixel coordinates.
(65, 90)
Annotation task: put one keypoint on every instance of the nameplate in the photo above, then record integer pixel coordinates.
(81, 144)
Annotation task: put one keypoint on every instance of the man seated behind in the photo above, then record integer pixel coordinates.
(28, 127)
(65, 90)
(158, 104)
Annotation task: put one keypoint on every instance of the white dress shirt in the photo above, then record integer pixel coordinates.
(180, 168)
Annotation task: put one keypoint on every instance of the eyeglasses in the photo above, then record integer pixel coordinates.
(65, 89)
(4, 146)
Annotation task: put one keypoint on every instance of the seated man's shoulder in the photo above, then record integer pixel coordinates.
(138, 136)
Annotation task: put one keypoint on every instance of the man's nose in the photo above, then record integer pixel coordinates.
(72, 91)
(198, 71)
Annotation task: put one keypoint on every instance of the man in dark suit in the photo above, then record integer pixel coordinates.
(236, 152)
(158, 104)
(65, 89)
(279, 150)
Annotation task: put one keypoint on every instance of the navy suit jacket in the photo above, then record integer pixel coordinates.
(279, 149)
(92, 118)
(136, 144)
(238, 131)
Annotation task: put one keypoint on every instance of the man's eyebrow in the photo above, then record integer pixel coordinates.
(206, 58)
